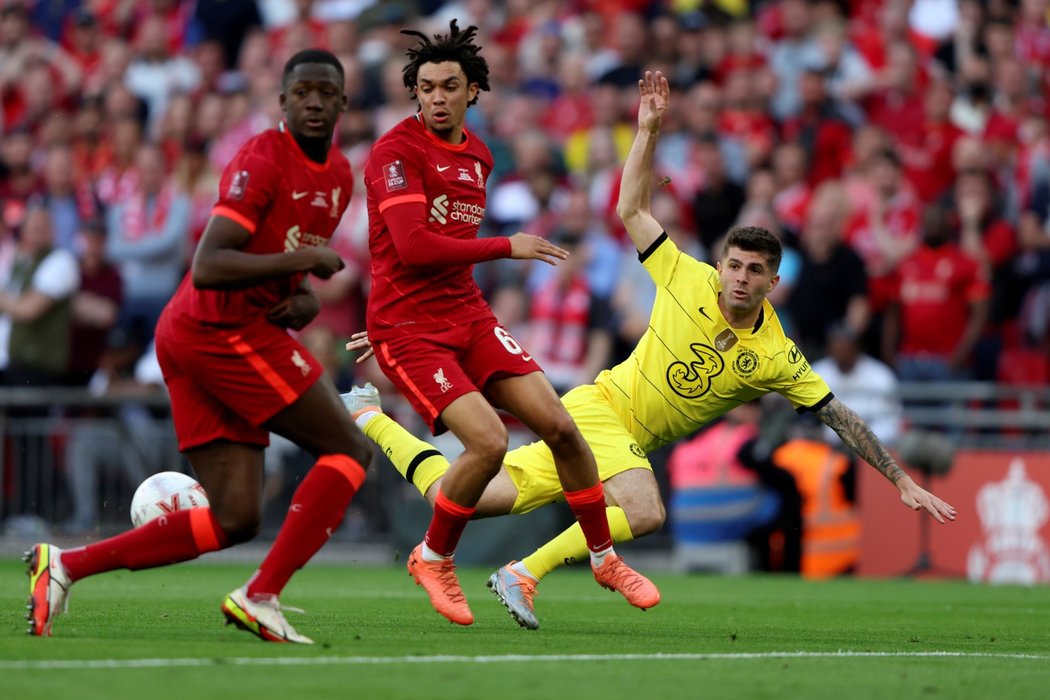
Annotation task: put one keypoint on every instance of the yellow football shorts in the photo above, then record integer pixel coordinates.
(531, 467)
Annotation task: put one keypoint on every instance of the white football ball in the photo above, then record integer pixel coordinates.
(165, 493)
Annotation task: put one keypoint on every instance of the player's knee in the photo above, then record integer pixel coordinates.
(239, 527)
(647, 520)
(561, 434)
(489, 449)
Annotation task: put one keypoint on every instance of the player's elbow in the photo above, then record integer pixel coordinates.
(203, 275)
(627, 211)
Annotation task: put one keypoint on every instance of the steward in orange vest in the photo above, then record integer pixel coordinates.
(831, 526)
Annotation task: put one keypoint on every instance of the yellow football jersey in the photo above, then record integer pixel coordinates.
(691, 367)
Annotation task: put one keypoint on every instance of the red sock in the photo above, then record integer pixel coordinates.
(169, 539)
(446, 527)
(317, 509)
(588, 505)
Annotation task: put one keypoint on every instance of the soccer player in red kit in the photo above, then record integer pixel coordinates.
(435, 336)
(234, 373)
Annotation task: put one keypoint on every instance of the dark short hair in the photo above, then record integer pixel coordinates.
(455, 47)
(755, 239)
(313, 56)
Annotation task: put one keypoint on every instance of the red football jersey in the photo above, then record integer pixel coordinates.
(937, 286)
(422, 272)
(286, 200)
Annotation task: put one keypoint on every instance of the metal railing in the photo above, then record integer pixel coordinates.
(68, 454)
(981, 414)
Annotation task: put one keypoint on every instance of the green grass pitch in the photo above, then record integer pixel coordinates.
(159, 634)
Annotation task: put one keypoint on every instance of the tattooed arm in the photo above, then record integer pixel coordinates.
(858, 436)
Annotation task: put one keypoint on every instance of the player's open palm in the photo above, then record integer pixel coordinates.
(918, 498)
(325, 261)
(525, 246)
(655, 96)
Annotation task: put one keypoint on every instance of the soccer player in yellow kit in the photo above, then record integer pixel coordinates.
(714, 342)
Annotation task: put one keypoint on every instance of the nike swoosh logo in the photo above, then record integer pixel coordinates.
(299, 195)
(704, 314)
(442, 169)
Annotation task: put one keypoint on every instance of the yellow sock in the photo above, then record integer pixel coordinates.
(417, 460)
(571, 546)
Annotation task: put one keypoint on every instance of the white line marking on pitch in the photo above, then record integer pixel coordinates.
(27, 665)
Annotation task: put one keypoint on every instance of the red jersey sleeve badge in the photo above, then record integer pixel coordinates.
(238, 185)
(395, 176)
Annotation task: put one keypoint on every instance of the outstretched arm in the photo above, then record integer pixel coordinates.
(636, 181)
(858, 436)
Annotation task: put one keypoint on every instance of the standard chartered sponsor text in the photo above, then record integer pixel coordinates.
(468, 213)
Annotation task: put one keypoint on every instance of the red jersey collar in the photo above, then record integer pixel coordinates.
(444, 144)
(312, 164)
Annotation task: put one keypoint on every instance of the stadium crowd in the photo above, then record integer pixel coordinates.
(899, 149)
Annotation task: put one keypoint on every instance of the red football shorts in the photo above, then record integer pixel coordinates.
(226, 382)
(434, 369)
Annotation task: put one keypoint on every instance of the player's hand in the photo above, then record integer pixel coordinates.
(295, 311)
(918, 498)
(525, 246)
(360, 341)
(324, 262)
(655, 95)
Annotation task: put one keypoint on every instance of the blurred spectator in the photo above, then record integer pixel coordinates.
(863, 383)
(745, 115)
(196, 176)
(95, 306)
(718, 199)
(887, 229)
(897, 105)
(37, 303)
(18, 181)
(1012, 103)
(630, 39)
(849, 77)
(928, 161)
(941, 306)
(64, 203)
(1033, 265)
(116, 176)
(821, 129)
(531, 189)
(155, 74)
(228, 22)
(796, 50)
(965, 43)
(986, 236)
(574, 219)
(569, 325)
(148, 232)
(831, 286)
(35, 73)
(82, 38)
(792, 191)
(608, 125)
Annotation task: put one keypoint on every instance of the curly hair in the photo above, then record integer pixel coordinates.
(456, 46)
